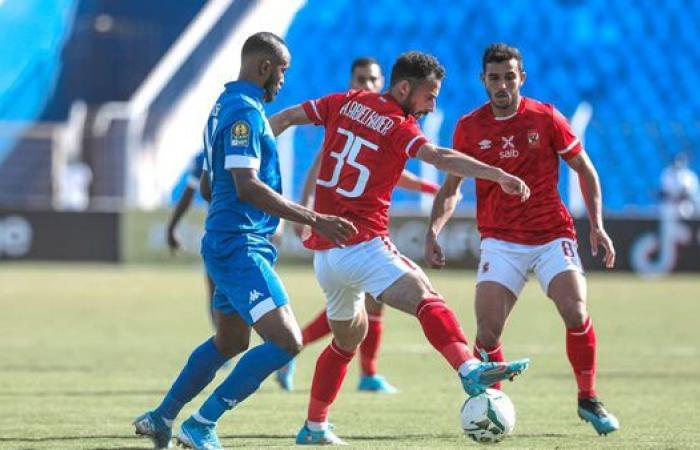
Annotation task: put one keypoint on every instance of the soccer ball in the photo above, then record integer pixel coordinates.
(488, 417)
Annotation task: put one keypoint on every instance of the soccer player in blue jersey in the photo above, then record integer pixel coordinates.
(194, 173)
(246, 204)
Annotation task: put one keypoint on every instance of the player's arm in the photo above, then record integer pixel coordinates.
(590, 188)
(455, 163)
(286, 118)
(307, 193)
(251, 190)
(205, 186)
(412, 182)
(181, 207)
(444, 206)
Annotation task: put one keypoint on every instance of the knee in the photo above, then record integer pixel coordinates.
(350, 338)
(231, 346)
(290, 344)
(574, 312)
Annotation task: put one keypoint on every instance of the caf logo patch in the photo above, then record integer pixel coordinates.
(533, 138)
(240, 134)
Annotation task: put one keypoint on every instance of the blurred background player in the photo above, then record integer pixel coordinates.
(181, 207)
(680, 191)
(526, 138)
(365, 74)
(369, 138)
(246, 201)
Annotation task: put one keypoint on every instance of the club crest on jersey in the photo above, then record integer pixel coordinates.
(240, 134)
(533, 139)
(485, 144)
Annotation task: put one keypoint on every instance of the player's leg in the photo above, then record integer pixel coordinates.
(403, 285)
(492, 304)
(232, 337)
(501, 276)
(316, 329)
(561, 276)
(370, 380)
(210, 299)
(335, 269)
(313, 331)
(256, 292)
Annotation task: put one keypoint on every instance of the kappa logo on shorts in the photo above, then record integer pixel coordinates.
(254, 295)
(240, 134)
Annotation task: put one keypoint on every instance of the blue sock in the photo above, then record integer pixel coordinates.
(200, 369)
(255, 365)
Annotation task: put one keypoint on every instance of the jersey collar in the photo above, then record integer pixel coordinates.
(247, 88)
(520, 109)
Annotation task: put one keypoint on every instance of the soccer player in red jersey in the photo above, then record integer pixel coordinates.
(369, 137)
(525, 137)
(365, 74)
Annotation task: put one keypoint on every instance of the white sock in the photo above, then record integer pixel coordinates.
(468, 365)
(317, 426)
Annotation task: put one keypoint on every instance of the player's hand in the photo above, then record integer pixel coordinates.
(513, 185)
(302, 231)
(173, 242)
(599, 238)
(335, 228)
(433, 254)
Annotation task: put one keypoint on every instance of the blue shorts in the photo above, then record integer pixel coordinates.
(241, 267)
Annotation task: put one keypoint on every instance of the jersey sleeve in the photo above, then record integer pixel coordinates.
(408, 138)
(242, 140)
(459, 138)
(565, 142)
(319, 110)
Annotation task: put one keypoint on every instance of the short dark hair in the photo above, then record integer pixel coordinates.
(265, 43)
(500, 52)
(416, 66)
(364, 61)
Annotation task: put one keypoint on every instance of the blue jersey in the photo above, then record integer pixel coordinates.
(238, 135)
(194, 171)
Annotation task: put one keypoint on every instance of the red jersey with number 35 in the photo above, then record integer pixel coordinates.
(367, 143)
(527, 144)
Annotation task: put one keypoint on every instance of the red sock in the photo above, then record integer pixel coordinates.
(581, 350)
(316, 329)
(369, 349)
(441, 328)
(331, 367)
(494, 354)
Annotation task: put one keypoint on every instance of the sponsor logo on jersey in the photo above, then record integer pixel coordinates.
(485, 144)
(512, 153)
(507, 142)
(254, 295)
(240, 134)
(533, 139)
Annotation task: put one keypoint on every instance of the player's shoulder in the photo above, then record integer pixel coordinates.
(538, 108)
(474, 116)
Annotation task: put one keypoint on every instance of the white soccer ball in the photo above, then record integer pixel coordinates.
(488, 417)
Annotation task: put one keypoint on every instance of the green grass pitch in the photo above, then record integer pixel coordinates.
(85, 348)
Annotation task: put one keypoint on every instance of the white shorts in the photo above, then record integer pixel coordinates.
(345, 274)
(508, 263)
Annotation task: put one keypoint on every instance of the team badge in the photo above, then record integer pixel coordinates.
(240, 134)
(533, 138)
